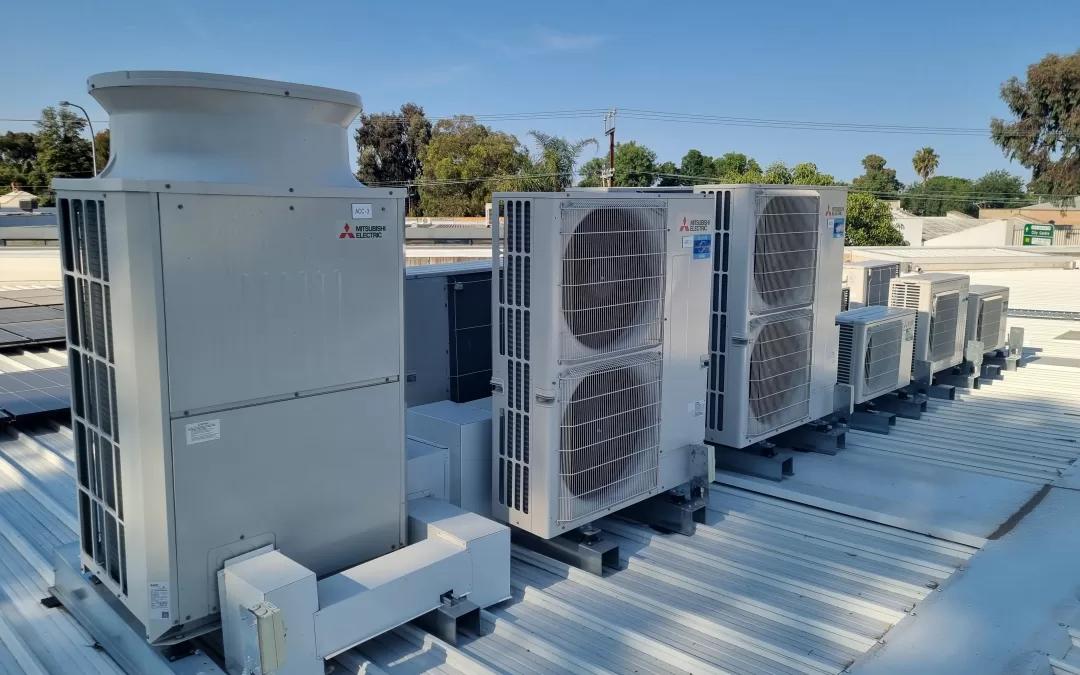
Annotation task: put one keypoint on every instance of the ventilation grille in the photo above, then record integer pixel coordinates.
(877, 283)
(785, 252)
(843, 366)
(943, 323)
(613, 282)
(714, 408)
(515, 296)
(845, 299)
(991, 311)
(780, 363)
(609, 448)
(85, 256)
(904, 294)
(881, 365)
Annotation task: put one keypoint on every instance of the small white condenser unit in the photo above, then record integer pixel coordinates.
(941, 300)
(869, 281)
(875, 350)
(988, 307)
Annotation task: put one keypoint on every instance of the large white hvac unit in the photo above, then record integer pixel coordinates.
(941, 300)
(234, 307)
(776, 291)
(987, 310)
(869, 281)
(599, 368)
(875, 350)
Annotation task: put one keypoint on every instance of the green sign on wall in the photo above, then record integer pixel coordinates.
(1037, 234)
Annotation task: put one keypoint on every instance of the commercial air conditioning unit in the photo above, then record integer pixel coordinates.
(600, 364)
(869, 281)
(988, 307)
(941, 300)
(237, 384)
(776, 292)
(875, 350)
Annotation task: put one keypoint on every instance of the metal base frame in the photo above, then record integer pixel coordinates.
(946, 392)
(677, 511)
(761, 459)
(951, 379)
(455, 617)
(584, 548)
(115, 629)
(873, 421)
(902, 404)
(827, 438)
(990, 373)
(1008, 363)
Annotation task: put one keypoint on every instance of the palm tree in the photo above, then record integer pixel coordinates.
(925, 162)
(554, 161)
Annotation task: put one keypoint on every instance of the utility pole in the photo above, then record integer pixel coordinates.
(609, 131)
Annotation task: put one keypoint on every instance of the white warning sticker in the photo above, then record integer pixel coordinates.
(201, 432)
(697, 408)
(160, 601)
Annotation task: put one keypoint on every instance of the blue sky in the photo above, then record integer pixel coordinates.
(916, 63)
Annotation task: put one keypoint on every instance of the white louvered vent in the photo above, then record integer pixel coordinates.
(877, 283)
(610, 433)
(943, 323)
(780, 368)
(990, 316)
(882, 359)
(845, 299)
(843, 369)
(905, 295)
(613, 276)
(785, 252)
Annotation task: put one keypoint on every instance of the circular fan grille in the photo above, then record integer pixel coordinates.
(610, 420)
(611, 266)
(785, 252)
(780, 371)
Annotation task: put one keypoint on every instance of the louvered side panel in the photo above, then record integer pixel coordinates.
(844, 362)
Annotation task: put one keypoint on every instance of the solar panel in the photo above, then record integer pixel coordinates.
(38, 331)
(7, 338)
(31, 297)
(31, 292)
(5, 303)
(22, 314)
(35, 391)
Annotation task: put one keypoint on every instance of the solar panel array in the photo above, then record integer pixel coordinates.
(31, 316)
(34, 391)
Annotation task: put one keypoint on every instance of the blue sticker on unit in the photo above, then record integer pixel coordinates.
(838, 228)
(702, 246)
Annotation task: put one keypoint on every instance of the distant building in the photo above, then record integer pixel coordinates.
(960, 229)
(1040, 213)
(15, 198)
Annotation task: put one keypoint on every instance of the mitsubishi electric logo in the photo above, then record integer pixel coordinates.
(361, 231)
(694, 226)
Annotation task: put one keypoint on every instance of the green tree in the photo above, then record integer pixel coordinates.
(62, 152)
(925, 163)
(389, 146)
(103, 143)
(18, 153)
(554, 161)
(735, 164)
(877, 179)
(807, 174)
(777, 173)
(696, 165)
(1000, 190)
(1044, 135)
(668, 175)
(869, 222)
(635, 166)
(939, 195)
(463, 163)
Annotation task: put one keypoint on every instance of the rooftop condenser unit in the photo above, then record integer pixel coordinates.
(869, 281)
(775, 294)
(987, 310)
(941, 300)
(875, 350)
(601, 358)
(226, 232)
